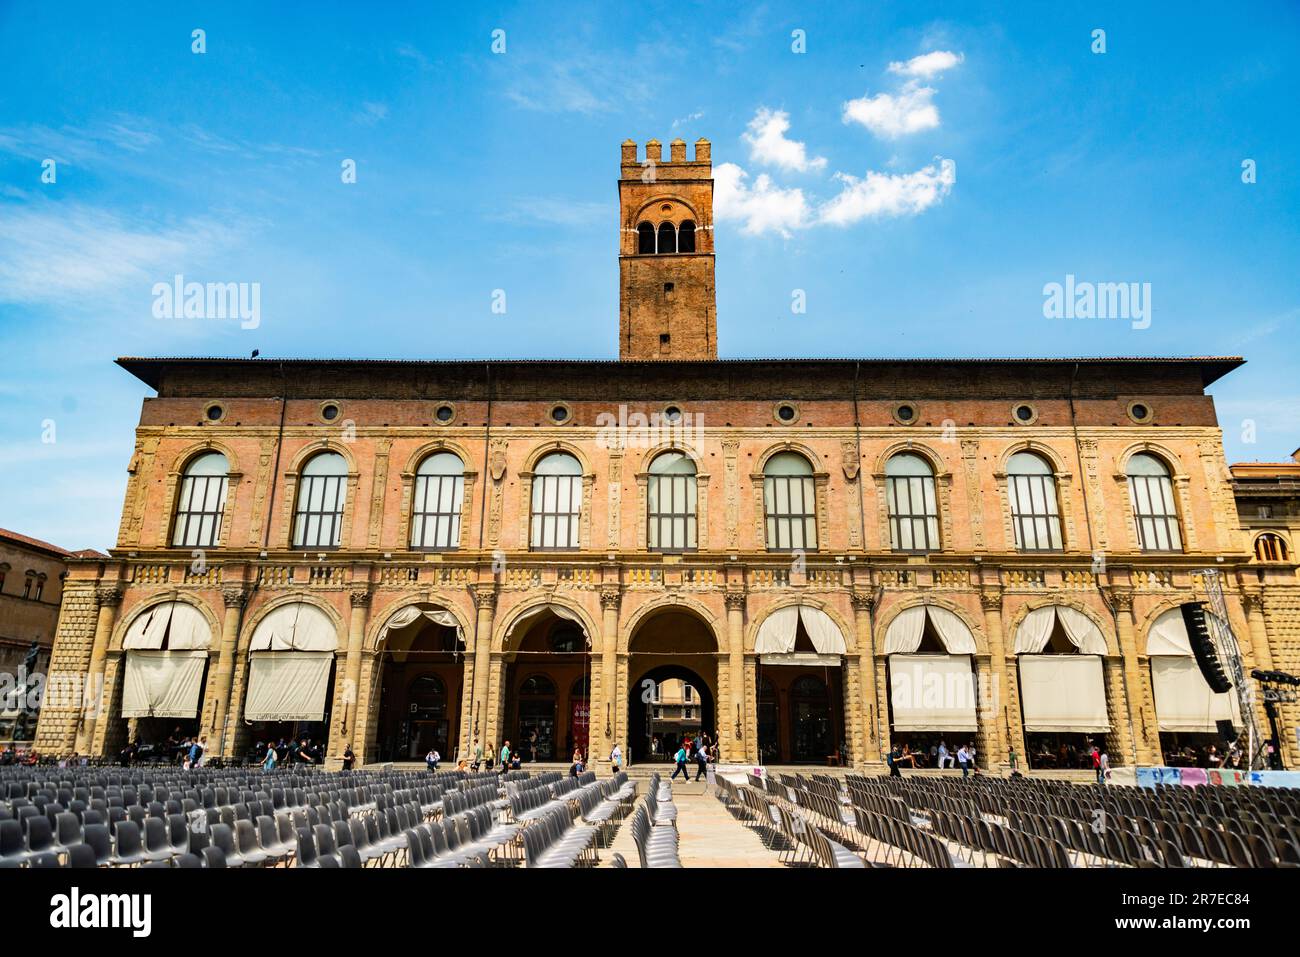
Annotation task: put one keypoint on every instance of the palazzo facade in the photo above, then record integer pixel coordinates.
(833, 554)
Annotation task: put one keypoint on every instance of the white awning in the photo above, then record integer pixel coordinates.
(1063, 693)
(297, 626)
(162, 684)
(558, 610)
(287, 685)
(777, 633)
(1036, 630)
(904, 634)
(932, 693)
(1184, 701)
(801, 659)
(1168, 635)
(405, 616)
(178, 623)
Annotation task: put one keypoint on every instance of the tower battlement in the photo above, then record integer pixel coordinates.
(667, 299)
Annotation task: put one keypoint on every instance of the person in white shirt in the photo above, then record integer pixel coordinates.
(963, 761)
(616, 759)
(945, 757)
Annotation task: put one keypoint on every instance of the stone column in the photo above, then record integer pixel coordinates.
(107, 598)
(233, 599)
(607, 711)
(349, 687)
(1140, 711)
(867, 747)
(485, 604)
(1261, 657)
(1000, 711)
(732, 724)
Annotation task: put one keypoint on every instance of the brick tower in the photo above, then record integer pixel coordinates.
(667, 303)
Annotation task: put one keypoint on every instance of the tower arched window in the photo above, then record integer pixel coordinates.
(789, 503)
(439, 495)
(667, 239)
(318, 519)
(1035, 512)
(645, 239)
(1271, 548)
(557, 503)
(1151, 491)
(686, 237)
(670, 503)
(913, 506)
(202, 502)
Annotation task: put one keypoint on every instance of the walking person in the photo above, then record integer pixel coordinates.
(505, 756)
(268, 763)
(1103, 767)
(701, 762)
(945, 757)
(680, 758)
(478, 756)
(893, 758)
(1096, 763)
(963, 761)
(616, 759)
(349, 759)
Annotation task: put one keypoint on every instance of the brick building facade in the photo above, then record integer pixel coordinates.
(432, 553)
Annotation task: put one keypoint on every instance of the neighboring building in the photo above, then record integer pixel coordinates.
(1268, 503)
(832, 554)
(31, 587)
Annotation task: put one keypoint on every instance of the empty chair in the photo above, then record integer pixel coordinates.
(129, 846)
(246, 843)
(157, 841)
(223, 839)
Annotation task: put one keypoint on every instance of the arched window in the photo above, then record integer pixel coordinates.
(670, 503)
(557, 502)
(1271, 548)
(318, 521)
(913, 507)
(686, 237)
(537, 686)
(1035, 514)
(202, 502)
(645, 239)
(1152, 493)
(789, 503)
(439, 495)
(667, 239)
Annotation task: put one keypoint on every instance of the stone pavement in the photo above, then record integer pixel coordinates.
(708, 835)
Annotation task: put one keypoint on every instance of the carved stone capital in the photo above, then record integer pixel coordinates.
(735, 600)
(360, 598)
(862, 601)
(991, 599)
(234, 596)
(485, 596)
(108, 595)
(1252, 601)
(1123, 599)
(610, 597)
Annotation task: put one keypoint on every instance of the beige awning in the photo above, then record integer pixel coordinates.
(178, 623)
(1063, 693)
(296, 626)
(162, 684)
(1036, 630)
(558, 610)
(1184, 700)
(287, 685)
(905, 631)
(932, 693)
(776, 636)
(411, 613)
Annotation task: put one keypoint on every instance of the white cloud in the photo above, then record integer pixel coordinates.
(911, 111)
(881, 195)
(768, 143)
(927, 64)
(60, 254)
(761, 207)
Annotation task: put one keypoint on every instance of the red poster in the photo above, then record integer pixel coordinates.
(579, 720)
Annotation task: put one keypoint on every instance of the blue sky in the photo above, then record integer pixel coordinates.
(921, 207)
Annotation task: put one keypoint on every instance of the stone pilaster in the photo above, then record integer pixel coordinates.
(734, 718)
(868, 737)
(217, 705)
(1140, 707)
(999, 713)
(347, 702)
(107, 599)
